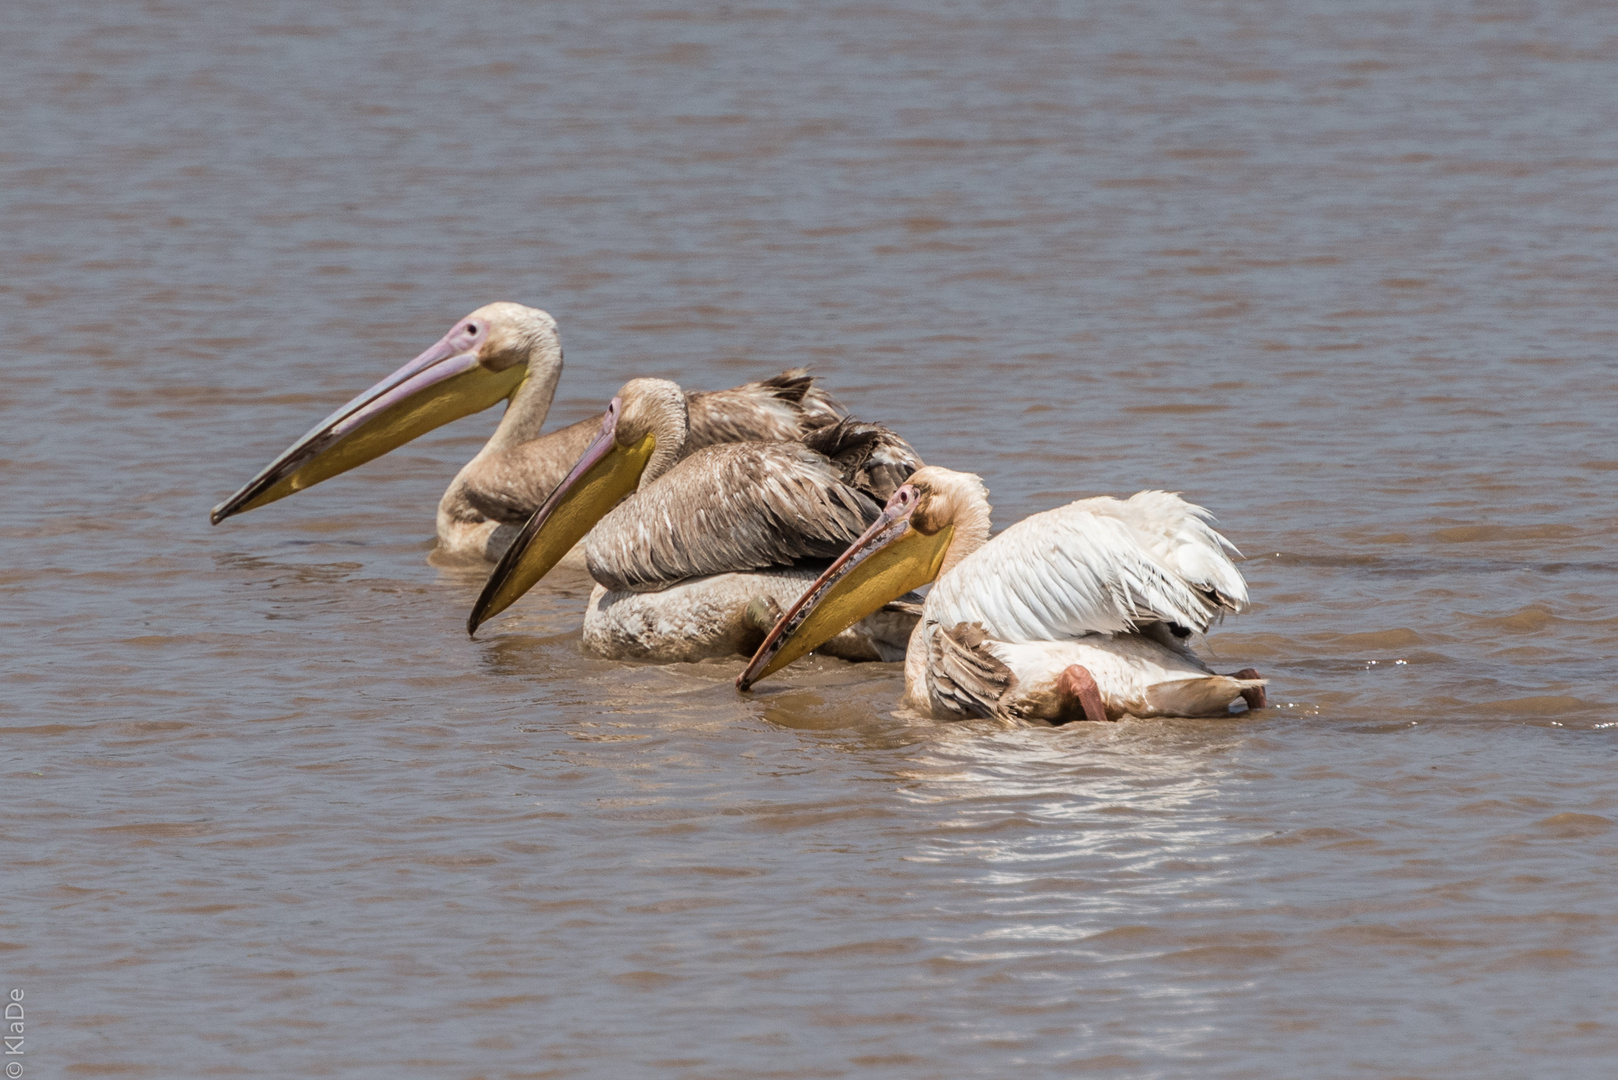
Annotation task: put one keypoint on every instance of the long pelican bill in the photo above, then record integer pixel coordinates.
(445, 383)
(607, 471)
(890, 559)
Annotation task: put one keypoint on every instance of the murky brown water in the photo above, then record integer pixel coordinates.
(1343, 272)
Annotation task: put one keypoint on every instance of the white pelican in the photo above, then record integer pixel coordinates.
(707, 548)
(509, 352)
(1077, 613)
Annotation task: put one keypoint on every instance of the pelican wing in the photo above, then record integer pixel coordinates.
(1096, 566)
(1179, 535)
(779, 408)
(726, 508)
(869, 456)
(963, 678)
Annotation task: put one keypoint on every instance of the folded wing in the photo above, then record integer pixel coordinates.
(1096, 566)
(726, 508)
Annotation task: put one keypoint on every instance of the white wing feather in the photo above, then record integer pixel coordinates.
(1179, 535)
(1096, 566)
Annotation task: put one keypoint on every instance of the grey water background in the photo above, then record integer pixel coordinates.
(1342, 272)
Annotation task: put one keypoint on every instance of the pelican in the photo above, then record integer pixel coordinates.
(1077, 613)
(706, 546)
(508, 352)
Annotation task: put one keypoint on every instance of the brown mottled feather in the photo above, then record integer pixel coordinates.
(726, 508)
(963, 678)
(869, 456)
(778, 408)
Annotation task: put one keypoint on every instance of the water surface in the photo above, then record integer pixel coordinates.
(1342, 272)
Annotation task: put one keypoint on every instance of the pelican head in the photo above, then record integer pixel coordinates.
(642, 435)
(484, 359)
(931, 522)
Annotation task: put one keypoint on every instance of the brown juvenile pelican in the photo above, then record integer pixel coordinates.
(706, 548)
(1077, 613)
(505, 352)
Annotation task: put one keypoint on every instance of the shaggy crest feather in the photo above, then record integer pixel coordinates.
(870, 456)
(782, 407)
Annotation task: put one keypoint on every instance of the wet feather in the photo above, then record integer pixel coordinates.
(726, 508)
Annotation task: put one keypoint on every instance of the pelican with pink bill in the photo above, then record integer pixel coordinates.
(1084, 612)
(510, 353)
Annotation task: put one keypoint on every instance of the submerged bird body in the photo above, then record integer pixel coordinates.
(1082, 612)
(724, 615)
(1135, 675)
(703, 536)
(509, 352)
